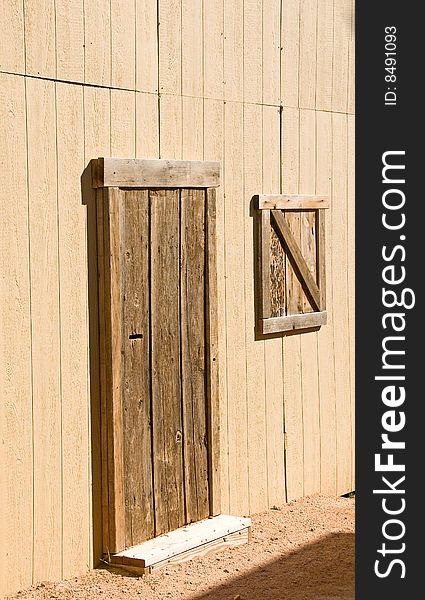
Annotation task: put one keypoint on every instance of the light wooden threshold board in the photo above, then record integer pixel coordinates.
(196, 539)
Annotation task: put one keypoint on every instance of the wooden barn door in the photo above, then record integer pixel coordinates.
(156, 252)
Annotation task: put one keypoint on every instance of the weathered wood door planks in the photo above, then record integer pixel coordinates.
(158, 345)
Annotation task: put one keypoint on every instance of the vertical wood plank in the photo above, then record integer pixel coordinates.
(234, 237)
(123, 35)
(325, 31)
(290, 170)
(103, 438)
(40, 38)
(290, 61)
(307, 186)
(271, 51)
(146, 45)
(16, 459)
(273, 347)
(325, 342)
(342, 33)
(96, 143)
(213, 50)
(123, 134)
(253, 51)
(351, 271)
(193, 129)
(136, 382)
(12, 54)
(192, 47)
(351, 100)
(340, 302)
(43, 226)
(255, 363)
(212, 355)
(166, 381)
(70, 39)
(214, 150)
(291, 345)
(276, 276)
(309, 368)
(308, 49)
(147, 126)
(97, 51)
(74, 328)
(192, 314)
(233, 50)
(171, 127)
(112, 369)
(170, 47)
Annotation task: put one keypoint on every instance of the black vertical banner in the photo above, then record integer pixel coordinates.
(390, 267)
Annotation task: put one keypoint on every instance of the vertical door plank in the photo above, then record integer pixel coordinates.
(294, 446)
(16, 419)
(138, 488)
(192, 307)
(166, 381)
(43, 224)
(273, 347)
(74, 328)
(212, 355)
(111, 348)
(325, 342)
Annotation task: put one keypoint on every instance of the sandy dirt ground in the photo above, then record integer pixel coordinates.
(303, 550)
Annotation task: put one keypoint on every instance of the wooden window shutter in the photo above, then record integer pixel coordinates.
(291, 273)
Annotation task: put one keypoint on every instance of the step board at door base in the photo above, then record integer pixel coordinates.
(185, 543)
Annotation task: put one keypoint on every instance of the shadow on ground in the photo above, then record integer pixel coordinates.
(320, 571)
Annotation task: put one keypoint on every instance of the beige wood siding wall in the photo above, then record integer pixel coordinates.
(264, 86)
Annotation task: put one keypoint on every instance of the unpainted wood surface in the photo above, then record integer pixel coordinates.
(137, 442)
(155, 173)
(166, 384)
(292, 202)
(192, 310)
